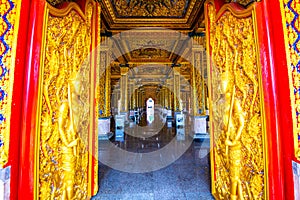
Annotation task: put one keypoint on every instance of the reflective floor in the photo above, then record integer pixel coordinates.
(185, 178)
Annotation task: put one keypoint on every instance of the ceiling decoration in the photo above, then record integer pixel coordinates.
(242, 2)
(149, 46)
(181, 15)
(56, 2)
(149, 53)
(150, 8)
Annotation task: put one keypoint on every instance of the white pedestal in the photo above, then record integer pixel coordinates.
(169, 114)
(200, 125)
(120, 126)
(180, 134)
(103, 126)
(165, 111)
(120, 122)
(180, 120)
(131, 124)
(131, 113)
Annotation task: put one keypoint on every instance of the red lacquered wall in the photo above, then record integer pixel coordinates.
(273, 57)
(29, 98)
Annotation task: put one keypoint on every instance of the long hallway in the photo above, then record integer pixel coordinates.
(186, 178)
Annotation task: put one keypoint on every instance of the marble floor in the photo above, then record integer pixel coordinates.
(187, 178)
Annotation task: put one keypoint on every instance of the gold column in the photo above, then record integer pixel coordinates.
(136, 98)
(197, 79)
(131, 95)
(124, 88)
(142, 99)
(104, 87)
(166, 98)
(170, 88)
(117, 97)
(176, 85)
(107, 89)
(163, 97)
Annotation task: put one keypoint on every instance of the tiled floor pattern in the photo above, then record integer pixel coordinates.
(188, 178)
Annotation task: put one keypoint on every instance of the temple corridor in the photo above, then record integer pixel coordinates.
(186, 178)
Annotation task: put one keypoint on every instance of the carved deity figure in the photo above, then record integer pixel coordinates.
(234, 120)
(69, 140)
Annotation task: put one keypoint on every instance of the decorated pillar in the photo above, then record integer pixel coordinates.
(197, 75)
(137, 98)
(124, 89)
(197, 81)
(176, 85)
(104, 87)
(170, 93)
(163, 105)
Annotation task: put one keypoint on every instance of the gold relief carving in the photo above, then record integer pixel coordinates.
(238, 156)
(9, 15)
(65, 106)
(149, 8)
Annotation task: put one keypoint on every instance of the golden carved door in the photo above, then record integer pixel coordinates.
(66, 153)
(238, 155)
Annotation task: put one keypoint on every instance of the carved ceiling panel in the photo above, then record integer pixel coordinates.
(149, 46)
(127, 14)
(56, 2)
(242, 2)
(150, 8)
(149, 54)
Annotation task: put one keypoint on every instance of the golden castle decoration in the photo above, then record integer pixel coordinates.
(238, 156)
(290, 20)
(65, 100)
(10, 13)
